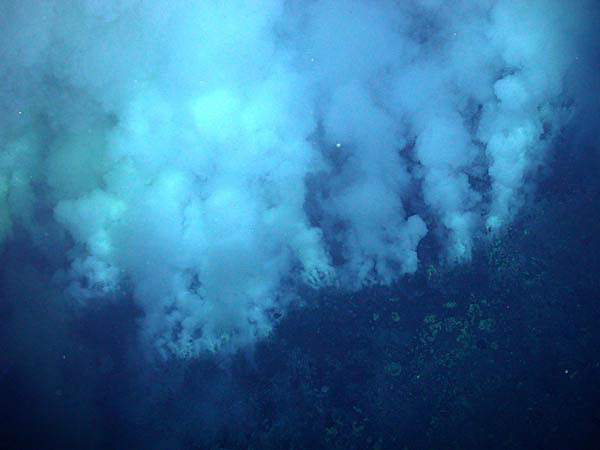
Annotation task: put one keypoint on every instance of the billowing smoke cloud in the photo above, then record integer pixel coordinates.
(214, 156)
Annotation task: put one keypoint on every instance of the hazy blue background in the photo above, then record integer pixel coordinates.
(299, 224)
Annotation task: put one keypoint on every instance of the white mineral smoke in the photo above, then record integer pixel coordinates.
(218, 154)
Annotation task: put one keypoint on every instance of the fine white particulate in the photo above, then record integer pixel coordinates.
(215, 156)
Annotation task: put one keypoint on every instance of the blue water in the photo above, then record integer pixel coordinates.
(299, 224)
